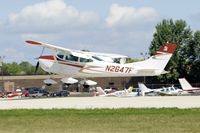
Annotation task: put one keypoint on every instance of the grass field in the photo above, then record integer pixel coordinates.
(100, 121)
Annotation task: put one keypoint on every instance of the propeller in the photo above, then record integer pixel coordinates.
(36, 67)
(38, 64)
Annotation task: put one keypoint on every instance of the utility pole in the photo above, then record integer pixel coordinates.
(1, 65)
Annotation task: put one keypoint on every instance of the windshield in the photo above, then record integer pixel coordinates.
(97, 58)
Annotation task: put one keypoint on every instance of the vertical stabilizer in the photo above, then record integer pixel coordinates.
(185, 84)
(144, 89)
(130, 89)
(158, 61)
(100, 91)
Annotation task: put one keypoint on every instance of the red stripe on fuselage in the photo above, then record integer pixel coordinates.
(90, 69)
(75, 65)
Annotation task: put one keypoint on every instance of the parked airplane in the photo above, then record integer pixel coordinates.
(15, 95)
(81, 64)
(187, 88)
(170, 91)
(144, 90)
(122, 93)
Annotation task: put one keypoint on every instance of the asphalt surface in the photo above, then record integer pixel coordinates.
(102, 102)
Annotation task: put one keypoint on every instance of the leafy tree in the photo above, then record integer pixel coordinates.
(174, 32)
(13, 69)
(193, 60)
(4, 69)
(27, 68)
(23, 68)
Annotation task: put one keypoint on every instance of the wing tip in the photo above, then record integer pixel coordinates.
(33, 42)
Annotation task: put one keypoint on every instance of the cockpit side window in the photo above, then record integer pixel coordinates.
(68, 56)
(72, 58)
(85, 60)
(60, 54)
(117, 60)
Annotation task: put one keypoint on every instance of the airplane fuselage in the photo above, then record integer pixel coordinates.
(53, 64)
(73, 63)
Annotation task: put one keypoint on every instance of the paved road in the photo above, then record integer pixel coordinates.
(103, 102)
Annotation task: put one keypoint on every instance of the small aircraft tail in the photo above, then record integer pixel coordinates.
(100, 91)
(143, 89)
(156, 63)
(185, 84)
(130, 89)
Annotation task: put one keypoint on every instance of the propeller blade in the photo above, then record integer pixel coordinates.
(36, 67)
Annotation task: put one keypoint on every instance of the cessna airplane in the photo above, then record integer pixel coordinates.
(81, 64)
(164, 91)
(187, 88)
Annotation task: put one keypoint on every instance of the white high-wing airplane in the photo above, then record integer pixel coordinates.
(170, 91)
(187, 88)
(81, 64)
(122, 93)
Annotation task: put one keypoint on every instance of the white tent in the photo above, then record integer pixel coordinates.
(50, 81)
(18, 90)
(69, 80)
(88, 82)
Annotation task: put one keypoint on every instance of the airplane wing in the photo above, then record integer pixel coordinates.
(84, 54)
(108, 55)
(45, 45)
(56, 48)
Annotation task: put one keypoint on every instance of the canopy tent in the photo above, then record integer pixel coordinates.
(88, 82)
(69, 80)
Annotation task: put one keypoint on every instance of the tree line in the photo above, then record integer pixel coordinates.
(23, 68)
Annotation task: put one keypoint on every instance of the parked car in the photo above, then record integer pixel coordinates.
(25, 93)
(3, 93)
(52, 94)
(37, 92)
(62, 93)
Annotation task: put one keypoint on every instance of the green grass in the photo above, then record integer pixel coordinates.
(100, 121)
